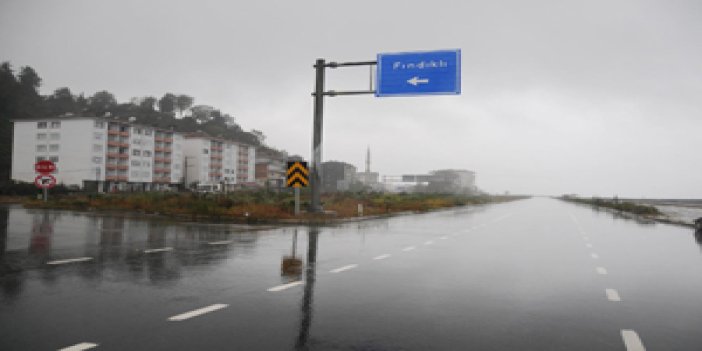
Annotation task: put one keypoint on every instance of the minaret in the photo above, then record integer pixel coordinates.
(368, 160)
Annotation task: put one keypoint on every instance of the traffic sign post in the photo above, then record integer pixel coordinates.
(397, 74)
(45, 180)
(297, 177)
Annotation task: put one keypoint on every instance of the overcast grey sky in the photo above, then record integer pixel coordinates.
(587, 97)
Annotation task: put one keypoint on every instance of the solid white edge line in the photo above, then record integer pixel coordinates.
(612, 295)
(601, 270)
(632, 340)
(344, 268)
(197, 312)
(443, 237)
(70, 260)
(162, 249)
(588, 245)
(409, 248)
(594, 255)
(381, 257)
(428, 242)
(79, 347)
(285, 286)
(223, 242)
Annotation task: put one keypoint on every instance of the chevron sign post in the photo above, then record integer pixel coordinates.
(298, 176)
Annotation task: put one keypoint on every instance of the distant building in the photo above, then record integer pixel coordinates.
(270, 167)
(98, 153)
(337, 176)
(452, 181)
(216, 164)
(370, 180)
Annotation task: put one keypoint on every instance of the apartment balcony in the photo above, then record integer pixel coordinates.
(162, 149)
(216, 156)
(114, 166)
(161, 179)
(124, 134)
(113, 132)
(215, 174)
(162, 170)
(162, 159)
(116, 178)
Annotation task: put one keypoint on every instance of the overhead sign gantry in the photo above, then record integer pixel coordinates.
(397, 74)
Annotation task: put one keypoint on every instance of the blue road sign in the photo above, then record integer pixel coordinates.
(419, 73)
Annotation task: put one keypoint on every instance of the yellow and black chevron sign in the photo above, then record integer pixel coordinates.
(298, 174)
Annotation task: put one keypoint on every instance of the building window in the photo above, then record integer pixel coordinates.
(40, 158)
(53, 147)
(145, 174)
(53, 159)
(55, 124)
(136, 163)
(97, 159)
(54, 136)
(41, 148)
(99, 124)
(41, 136)
(41, 125)
(147, 153)
(136, 142)
(97, 136)
(97, 148)
(135, 174)
(205, 151)
(146, 164)
(147, 131)
(136, 152)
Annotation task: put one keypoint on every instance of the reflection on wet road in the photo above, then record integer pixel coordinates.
(536, 274)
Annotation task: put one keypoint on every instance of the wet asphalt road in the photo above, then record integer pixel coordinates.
(536, 274)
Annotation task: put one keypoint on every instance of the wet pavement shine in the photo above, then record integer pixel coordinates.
(536, 274)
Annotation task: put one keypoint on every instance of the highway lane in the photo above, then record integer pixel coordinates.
(524, 275)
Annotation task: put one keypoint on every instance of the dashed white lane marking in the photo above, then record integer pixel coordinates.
(223, 242)
(612, 295)
(428, 242)
(344, 268)
(443, 237)
(381, 257)
(588, 245)
(632, 341)
(285, 286)
(163, 249)
(601, 270)
(70, 260)
(594, 255)
(197, 312)
(586, 238)
(408, 248)
(79, 347)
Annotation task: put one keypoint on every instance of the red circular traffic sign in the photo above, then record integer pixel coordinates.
(45, 181)
(45, 167)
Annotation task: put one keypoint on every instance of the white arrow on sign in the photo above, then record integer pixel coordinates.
(415, 81)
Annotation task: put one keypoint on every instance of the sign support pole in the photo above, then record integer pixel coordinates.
(316, 178)
(46, 194)
(297, 202)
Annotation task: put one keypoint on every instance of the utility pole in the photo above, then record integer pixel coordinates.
(319, 93)
(316, 179)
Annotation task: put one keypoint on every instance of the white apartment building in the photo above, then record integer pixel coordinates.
(115, 155)
(216, 164)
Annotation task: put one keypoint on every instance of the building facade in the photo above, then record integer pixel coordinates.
(270, 168)
(98, 153)
(337, 176)
(216, 164)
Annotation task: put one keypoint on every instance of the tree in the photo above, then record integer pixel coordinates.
(183, 102)
(147, 103)
(61, 102)
(202, 113)
(29, 79)
(101, 103)
(167, 103)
